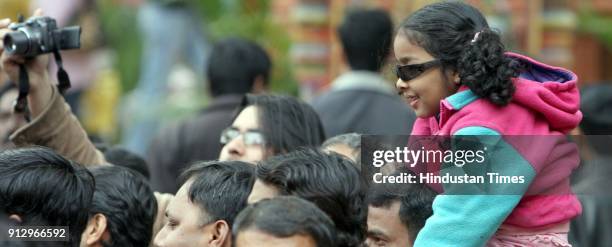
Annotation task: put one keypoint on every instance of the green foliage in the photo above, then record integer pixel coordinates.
(244, 18)
(120, 27)
(252, 20)
(591, 22)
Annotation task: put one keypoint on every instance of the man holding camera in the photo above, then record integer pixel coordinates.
(53, 125)
(44, 102)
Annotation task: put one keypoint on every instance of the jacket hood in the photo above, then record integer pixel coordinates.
(550, 91)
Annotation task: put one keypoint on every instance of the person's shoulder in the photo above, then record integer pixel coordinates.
(509, 119)
(220, 110)
(172, 134)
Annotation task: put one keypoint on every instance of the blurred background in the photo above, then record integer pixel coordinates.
(298, 34)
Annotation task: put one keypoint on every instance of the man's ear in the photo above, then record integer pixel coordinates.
(16, 218)
(95, 230)
(259, 85)
(221, 234)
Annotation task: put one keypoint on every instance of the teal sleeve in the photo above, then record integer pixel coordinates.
(468, 215)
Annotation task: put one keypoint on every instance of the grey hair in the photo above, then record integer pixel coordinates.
(352, 140)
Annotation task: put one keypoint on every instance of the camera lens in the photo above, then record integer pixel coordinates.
(16, 43)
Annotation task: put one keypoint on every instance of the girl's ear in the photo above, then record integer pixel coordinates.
(452, 77)
(456, 78)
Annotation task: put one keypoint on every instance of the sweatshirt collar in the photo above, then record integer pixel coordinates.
(463, 97)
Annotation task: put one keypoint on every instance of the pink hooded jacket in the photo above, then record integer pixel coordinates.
(544, 108)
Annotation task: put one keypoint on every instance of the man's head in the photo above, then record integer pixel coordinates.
(348, 145)
(123, 209)
(397, 212)
(7, 236)
(284, 221)
(39, 187)
(238, 66)
(269, 125)
(366, 38)
(330, 181)
(122, 157)
(203, 210)
(597, 116)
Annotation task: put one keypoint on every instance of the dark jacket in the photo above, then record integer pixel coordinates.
(363, 102)
(594, 226)
(194, 139)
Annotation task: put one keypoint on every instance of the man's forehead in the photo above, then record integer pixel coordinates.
(377, 221)
(247, 119)
(180, 200)
(384, 212)
(251, 236)
(381, 220)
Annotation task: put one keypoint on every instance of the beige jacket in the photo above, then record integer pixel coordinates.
(57, 128)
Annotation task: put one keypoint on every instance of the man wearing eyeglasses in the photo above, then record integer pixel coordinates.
(245, 136)
(269, 125)
(360, 100)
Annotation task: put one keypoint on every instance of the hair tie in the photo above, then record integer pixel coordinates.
(476, 37)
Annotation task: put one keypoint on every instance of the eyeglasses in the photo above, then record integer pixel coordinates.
(249, 137)
(411, 71)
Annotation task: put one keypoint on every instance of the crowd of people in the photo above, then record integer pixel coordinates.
(261, 169)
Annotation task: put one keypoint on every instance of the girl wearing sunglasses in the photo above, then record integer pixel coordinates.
(454, 72)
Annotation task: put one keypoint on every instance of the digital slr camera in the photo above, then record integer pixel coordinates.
(40, 35)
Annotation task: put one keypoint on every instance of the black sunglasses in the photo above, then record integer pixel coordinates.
(411, 71)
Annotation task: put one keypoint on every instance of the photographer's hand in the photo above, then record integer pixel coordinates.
(52, 123)
(3, 25)
(40, 92)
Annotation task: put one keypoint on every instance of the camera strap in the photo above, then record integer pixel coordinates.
(21, 105)
(62, 75)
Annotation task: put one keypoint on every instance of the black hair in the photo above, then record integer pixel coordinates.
(220, 188)
(234, 64)
(7, 241)
(127, 201)
(330, 181)
(286, 216)
(351, 140)
(596, 124)
(43, 188)
(122, 157)
(366, 36)
(595, 101)
(287, 123)
(415, 203)
(446, 30)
